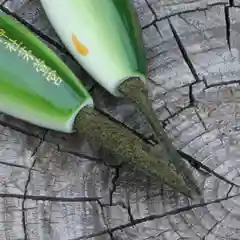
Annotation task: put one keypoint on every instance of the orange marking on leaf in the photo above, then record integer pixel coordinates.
(79, 46)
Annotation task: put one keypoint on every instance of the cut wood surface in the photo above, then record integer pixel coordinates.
(50, 183)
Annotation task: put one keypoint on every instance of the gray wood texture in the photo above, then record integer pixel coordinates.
(194, 78)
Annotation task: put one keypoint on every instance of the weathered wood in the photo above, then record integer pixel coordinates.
(195, 88)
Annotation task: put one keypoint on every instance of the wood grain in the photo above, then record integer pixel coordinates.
(194, 79)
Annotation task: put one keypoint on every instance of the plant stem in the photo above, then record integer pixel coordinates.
(127, 147)
(135, 90)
